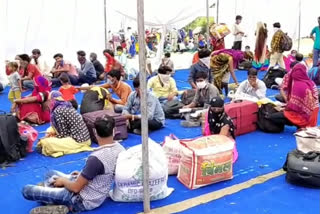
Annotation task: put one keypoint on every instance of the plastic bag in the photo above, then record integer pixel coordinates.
(30, 133)
(128, 177)
(172, 149)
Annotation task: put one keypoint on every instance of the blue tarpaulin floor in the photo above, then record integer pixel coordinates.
(259, 153)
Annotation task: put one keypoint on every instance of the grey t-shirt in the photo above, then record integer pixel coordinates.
(14, 81)
(204, 96)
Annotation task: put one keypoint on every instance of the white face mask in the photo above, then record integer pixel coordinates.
(275, 29)
(201, 85)
(165, 78)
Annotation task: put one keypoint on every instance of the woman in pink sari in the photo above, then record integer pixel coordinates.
(302, 100)
(35, 108)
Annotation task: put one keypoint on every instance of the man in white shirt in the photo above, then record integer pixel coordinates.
(40, 63)
(238, 34)
(252, 87)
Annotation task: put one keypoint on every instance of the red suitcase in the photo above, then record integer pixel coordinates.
(244, 115)
(121, 124)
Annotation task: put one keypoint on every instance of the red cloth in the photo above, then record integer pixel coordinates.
(113, 64)
(110, 63)
(34, 70)
(35, 112)
(7, 71)
(196, 58)
(301, 122)
(218, 44)
(68, 93)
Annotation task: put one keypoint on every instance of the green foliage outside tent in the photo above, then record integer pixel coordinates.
(199, 22)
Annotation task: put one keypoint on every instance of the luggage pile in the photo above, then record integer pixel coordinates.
(303, 164)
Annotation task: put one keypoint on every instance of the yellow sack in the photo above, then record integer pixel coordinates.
(56, 147)
(265, 101)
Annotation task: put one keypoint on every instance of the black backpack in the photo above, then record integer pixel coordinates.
(12, 146)
(265, 124)
(171, 109)
(272, 74)
(187, 96)
(303, 168)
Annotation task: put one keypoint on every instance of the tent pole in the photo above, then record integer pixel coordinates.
(208, 32)
(217, 12)
(299, 33)
(105, 24)
(144, 112)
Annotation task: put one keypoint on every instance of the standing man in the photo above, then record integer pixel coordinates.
(316, 47)
(238, 34)
(276, 52)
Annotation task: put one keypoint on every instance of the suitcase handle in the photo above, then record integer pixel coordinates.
(304, 176)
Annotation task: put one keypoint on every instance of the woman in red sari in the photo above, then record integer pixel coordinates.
(35, 108)
(302, 100)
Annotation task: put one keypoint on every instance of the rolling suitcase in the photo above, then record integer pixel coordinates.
(303, 168)
(121, 124)
(244, 116)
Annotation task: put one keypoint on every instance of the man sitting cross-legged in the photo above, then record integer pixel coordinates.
(85, 190)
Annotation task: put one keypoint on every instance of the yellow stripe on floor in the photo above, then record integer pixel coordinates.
(202, 199)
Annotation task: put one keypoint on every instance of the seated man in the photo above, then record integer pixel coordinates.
(120, 88)
(202, 65)
(87, 73)
(97, 64)
(63, 66)
(252, 87)
(163, 86)
(205, 92)
(85, 190)
(132, 110)
(166, 61)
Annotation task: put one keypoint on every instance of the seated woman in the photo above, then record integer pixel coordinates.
(218, 122)
(223, 64)
(68, 133)
(302, 101)
(35, 108)
(27, 71)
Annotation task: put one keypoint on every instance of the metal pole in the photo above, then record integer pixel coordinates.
(217, 12)
(105, 25)
(144, 112)
(299, 33)
(208, 30)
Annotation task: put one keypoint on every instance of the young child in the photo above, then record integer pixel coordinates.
(68, 91)
(15, 83)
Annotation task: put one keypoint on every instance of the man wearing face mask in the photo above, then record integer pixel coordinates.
(120, 88)
(202, 65)
(163, 86)
(205, 91)
(276, 52)
(97, 64)
(252, 87)
(87, 73)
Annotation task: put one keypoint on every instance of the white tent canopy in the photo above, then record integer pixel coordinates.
(68, 26)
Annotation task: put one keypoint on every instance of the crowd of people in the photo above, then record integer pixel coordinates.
(209, 76)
